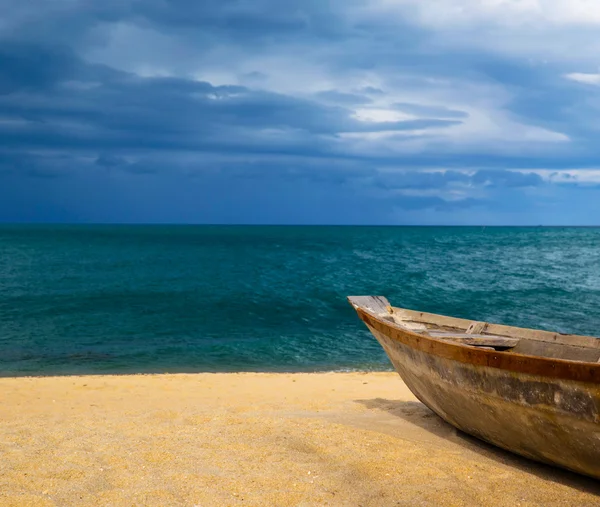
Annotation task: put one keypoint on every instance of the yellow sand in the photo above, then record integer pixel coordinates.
(252, 439)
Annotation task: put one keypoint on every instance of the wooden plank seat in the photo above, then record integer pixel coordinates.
(476, 340)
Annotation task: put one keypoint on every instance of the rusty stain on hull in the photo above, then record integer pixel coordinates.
(544, 408)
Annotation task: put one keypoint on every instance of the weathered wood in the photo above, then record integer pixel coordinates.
(476, 339)
(453, 334)
(508, 398)
(476, 327)
(500, 329)
(375, 304)
(497, 343)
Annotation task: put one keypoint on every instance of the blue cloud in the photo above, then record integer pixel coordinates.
(509, 179)
(343, 98)
(303, 111)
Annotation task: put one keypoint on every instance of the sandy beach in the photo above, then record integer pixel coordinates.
(353, 439)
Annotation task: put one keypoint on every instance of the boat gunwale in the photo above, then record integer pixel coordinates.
(580, 371)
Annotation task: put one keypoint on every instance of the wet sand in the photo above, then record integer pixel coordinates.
(355, 439)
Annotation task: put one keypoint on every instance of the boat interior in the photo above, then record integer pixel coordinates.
(490, 336)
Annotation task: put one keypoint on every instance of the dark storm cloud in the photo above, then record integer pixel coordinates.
(258, 22)
(420, 180)
(259, 19)
(63, 102)
(73, 124)
(174, 105)
(507, 179)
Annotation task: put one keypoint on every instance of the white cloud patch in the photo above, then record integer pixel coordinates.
(593, 79)
(381, 115)
(508, 12)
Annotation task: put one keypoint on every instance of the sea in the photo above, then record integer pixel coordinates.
(105, 299)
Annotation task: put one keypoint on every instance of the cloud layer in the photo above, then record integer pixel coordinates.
(300, 112)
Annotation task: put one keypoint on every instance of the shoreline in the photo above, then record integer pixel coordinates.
(324, 438)
(43, 375)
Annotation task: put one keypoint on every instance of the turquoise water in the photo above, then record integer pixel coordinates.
(114, 299)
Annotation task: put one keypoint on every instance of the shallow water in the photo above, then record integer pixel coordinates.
(115, 299)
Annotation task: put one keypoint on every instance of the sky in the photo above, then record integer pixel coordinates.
(408, 112)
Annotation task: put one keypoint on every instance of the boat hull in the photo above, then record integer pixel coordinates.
(544, 418)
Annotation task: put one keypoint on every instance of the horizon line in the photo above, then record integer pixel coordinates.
(201, 224)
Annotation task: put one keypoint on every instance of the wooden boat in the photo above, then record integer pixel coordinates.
(535, 393)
